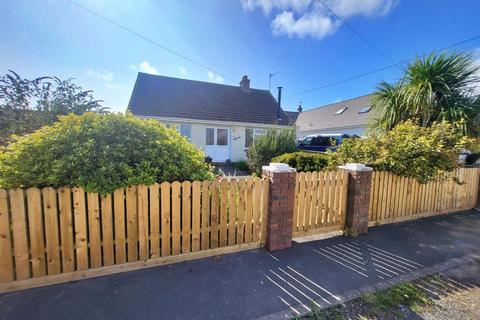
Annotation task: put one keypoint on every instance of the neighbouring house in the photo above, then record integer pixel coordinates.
(346, 117)
(220, 119)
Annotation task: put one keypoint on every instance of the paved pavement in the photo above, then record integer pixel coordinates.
(255, 284)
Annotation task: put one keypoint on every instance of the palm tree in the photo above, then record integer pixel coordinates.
(438, 87)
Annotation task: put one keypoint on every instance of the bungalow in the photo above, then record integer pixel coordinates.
(220, 119)
(346, 117)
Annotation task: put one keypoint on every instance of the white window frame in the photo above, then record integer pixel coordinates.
(179, 129)
(256, 132)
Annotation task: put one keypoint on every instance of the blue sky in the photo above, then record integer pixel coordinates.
(299, 39)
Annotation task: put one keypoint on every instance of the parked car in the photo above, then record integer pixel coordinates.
(321, 142)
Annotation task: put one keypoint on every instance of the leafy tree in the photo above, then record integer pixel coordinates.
(26, 105)
(439, 87)
(100, 153)
(265, 147)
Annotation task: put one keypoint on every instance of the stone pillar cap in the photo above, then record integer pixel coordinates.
(356, 167)
(279, 167)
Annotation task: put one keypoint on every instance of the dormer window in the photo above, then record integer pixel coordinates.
(365, 109)
(340, 111)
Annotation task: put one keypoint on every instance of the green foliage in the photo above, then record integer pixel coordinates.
(241, 165)
(265, 147)
(101, 153)
(304, 161)
(474, 146)
(406, 294)
(407, 150)
(26, 105)
(388, 304)
(439, 87)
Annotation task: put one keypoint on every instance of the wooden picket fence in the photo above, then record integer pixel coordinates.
(394, 198)
(320, 202)
(55, 235)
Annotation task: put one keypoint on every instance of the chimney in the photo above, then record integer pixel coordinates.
(279, 100)
(245, 83)
(299, 109)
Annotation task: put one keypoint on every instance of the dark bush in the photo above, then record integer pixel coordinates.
(241, 165)
(304, 161)
(101, 153)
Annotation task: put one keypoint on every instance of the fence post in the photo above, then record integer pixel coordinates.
(358, 198)
(281, 197)
(478, 190)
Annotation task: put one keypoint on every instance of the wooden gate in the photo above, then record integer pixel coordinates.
(320, 202)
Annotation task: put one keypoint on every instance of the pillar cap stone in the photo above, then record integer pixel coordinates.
(355, 167)
(279, 167)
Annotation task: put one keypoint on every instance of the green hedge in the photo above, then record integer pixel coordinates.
(407, 150)
(305, 161)
(101, 153)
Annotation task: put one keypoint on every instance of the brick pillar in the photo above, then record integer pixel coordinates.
(358, 199)
(281, 197)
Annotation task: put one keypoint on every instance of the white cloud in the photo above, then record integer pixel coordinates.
(310, 24)
(182, 70)
(147, 68)
(106, 76)
(304, 18)
(268, 5)
(214, 77)
(114, 86)
(144, 67)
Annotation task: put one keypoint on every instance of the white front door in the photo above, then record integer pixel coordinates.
(217, 144)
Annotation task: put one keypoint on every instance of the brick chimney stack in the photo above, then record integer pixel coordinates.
(245, 83)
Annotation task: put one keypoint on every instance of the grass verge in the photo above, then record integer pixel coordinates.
(392, 303)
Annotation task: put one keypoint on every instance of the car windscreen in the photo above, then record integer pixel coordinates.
(322, 141)
(307, 141)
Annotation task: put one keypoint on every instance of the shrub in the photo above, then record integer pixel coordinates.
(305, 161)
(241, 165)
(100, 153)
(265, 147)
(407, 150)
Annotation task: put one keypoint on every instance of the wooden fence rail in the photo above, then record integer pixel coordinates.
(46, 232)
(320, 202)
(394, 198)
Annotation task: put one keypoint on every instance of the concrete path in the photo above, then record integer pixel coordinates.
(256, 284)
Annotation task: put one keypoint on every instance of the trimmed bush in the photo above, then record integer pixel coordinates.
(101, 153)
(304, 161)
(265, 147)
(407, 150)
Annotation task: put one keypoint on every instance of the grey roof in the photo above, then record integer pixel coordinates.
(325, 118)
(159, 96)
(291, 115)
